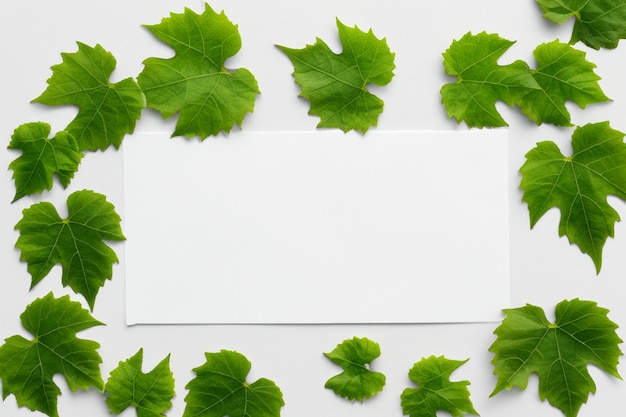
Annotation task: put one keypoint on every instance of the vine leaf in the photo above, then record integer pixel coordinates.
(598, 23)
(336, 84)
(75, 242)
(27, 367)
(558, 352)
(151, 394)
(220, 389)
(578, 185)
(562, 74)
(106, 112)
(209, 97)
(42, 158)
(357, 381)
(435, 392)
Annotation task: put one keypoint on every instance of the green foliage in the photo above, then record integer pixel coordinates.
(336, 84)
(75, 242)
(210, 98)
(558, 353)
(42, 158)
(357, 381)
(599, 23)
(106, 112)
(28, 366)
(151, 394)
(578, 185)
(435, 392)
(562, 74)
(220, 389)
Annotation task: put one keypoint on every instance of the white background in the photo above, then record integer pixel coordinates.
(545, 269)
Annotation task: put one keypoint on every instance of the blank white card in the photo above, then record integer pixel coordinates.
(317, 227)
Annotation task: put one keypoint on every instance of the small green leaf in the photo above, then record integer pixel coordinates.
(562, 74)
(27, 367)
(435, 392)
(106, 112)
(558, 353)
(357, 381)
(336, 84)
(210, 98)
(151, 394)
(220, 389)
(42, 158)
(599, 23)
(578, 185)
(75, 242)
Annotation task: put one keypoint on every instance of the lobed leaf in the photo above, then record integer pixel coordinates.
(42, 158)
(558, 352)
(209, 97)
(75, 242)
(336, 84)
(151, 394)
(106, 112)
(435, 392)
(578, 185)
(27, 367)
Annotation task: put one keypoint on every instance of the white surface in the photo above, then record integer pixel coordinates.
(545, 269)
(317, 227)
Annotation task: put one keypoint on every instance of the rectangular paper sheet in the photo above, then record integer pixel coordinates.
(317, 227)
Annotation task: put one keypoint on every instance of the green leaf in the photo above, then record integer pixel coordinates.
(435, 391)
(151, 394)
(578, 185)
(598, 24)
(210, 98)
(42, 158)
(220, 389)
(28, 366)
(558, 353)
(562, 74)
(336, 84)
(106, 112)
(75, 242)
(357, 381)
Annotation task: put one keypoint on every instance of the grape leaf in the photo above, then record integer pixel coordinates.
(27, 367)
(558, 353)
(75, 242)
(357, 381)
(578, 185)
(598, 24)
(106, 112)
(42, 158)
(562, 74)
(151, 394)
(435, 391)
(210, 98)
(336, 84)
(220, 389)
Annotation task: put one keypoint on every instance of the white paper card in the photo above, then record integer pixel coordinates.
(317, 227)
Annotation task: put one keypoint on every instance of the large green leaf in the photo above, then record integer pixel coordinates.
(558, 352)
(336, 84)
(435, 392)
(106, 112)
(210, 98)
(598, 23)
(357, 381)
(220, 389)
(578, 185)
(562, 74)
(42, 158)
(76, 242)
(151, 394)
(28, 366)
